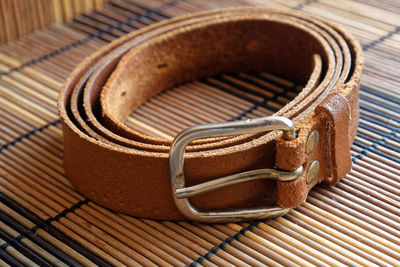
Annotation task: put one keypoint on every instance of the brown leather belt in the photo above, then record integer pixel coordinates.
(130, 172)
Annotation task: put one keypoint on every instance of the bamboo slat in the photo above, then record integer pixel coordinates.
(21, 17)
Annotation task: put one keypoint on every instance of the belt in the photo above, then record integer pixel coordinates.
(221, 172)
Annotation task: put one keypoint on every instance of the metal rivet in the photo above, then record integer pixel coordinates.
(312, 172)
(312, 142)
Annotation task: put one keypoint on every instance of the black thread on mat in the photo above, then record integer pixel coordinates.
(373, 146)
(88, 38)
(98, 12)
(379, 103)
(22, 137)
(245, 113)
(380, 94)
(52, 230)
(372, 110)
(30, 234)
(375, 140)
(380, 40)
(376, 131)
(88, 33)
(226, 242)
(45, 223)
(77, 20)
(262, 104)
(9, 259)
(24, 250)
(248, 90)
(306, 3)
(88, 16)
(139, 6)
(116, 5)
(285, 90)
(389, 126)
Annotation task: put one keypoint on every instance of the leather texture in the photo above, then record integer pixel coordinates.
(128, 171)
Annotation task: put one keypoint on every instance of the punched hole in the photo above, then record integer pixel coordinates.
(162, 66)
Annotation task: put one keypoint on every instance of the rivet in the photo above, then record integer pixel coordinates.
(312, 172)
(312, 142)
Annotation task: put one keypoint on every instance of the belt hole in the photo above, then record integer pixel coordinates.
(162, 66)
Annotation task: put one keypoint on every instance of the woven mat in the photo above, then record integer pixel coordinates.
(44, 221)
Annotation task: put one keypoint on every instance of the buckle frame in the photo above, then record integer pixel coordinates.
(181, 193)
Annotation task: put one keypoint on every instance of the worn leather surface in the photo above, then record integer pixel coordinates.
(128, 171)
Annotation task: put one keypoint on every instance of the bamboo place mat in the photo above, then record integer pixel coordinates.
(21, 17)
(44, 221)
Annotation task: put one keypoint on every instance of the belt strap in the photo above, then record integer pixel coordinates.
(128, 171)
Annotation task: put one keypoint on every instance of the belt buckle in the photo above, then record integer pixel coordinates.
(181, 193)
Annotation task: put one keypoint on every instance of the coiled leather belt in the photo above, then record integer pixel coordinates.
(248, 172)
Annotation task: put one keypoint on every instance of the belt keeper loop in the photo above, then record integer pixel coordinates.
(337, 109)
(290, 155)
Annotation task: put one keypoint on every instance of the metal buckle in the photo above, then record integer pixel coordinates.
(176, 161)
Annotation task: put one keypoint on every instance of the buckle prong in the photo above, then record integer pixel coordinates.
(237, 178)
(182, 193)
